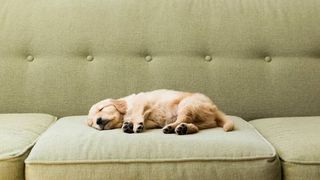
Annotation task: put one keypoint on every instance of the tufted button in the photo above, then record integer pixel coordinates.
(208, 58)
(30, 58)
(90, 58)
(148, 58)
(268, 59)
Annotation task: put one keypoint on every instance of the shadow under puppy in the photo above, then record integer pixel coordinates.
(173, 111)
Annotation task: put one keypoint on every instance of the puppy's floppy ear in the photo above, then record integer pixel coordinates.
(120, 105)
(98, 106)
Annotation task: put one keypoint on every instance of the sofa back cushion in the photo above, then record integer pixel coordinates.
(254, 58)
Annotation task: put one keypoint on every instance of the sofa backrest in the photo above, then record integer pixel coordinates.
(254, 58)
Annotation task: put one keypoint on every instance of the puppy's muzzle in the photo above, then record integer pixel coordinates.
(101, 122)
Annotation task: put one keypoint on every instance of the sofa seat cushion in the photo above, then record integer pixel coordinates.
(18, 133)
(72, 150)
(297, 141)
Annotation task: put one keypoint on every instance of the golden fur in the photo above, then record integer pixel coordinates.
(173, 111)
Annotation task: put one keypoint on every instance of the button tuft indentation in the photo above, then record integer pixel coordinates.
(208, 58)
(148, 58)
(268, 59)
(30, 58)
(90, 58)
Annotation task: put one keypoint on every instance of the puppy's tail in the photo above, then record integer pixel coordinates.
(224, 122)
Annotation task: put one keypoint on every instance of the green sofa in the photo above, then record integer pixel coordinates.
(258, 60)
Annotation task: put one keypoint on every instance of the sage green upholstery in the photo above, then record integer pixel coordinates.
(65, 55)
(254, 58)
(297, 141)
(72, 150)
(18, 133)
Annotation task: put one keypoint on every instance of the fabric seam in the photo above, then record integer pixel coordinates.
(301, 162)
(146, 160)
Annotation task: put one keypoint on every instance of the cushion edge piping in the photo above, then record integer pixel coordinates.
(268, 158)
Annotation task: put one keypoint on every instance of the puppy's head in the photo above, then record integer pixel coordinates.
(107, 115)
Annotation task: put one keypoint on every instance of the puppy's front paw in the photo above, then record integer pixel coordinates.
(127, 127)
(140, 127)
(168, 129)
(181, 129)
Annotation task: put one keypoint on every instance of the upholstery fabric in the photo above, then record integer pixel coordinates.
(297, 141)
(13, 168)
(72, 150)
(18, 133)
(62, 56)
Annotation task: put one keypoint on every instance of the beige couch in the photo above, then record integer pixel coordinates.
(258, 60)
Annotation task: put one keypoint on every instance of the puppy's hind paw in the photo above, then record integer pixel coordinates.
(168, 130)
(127, 127)
(181, 129)
(140, 127)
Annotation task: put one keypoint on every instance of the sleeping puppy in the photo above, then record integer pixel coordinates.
(173, 111)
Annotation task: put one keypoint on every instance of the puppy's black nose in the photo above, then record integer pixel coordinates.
(99, 121)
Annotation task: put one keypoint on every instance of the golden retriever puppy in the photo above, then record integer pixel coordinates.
(173, 111)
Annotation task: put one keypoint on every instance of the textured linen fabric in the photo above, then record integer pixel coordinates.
(62, 56)
(18, 133)
(13, 168)
(72, 150)
(297, 141)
